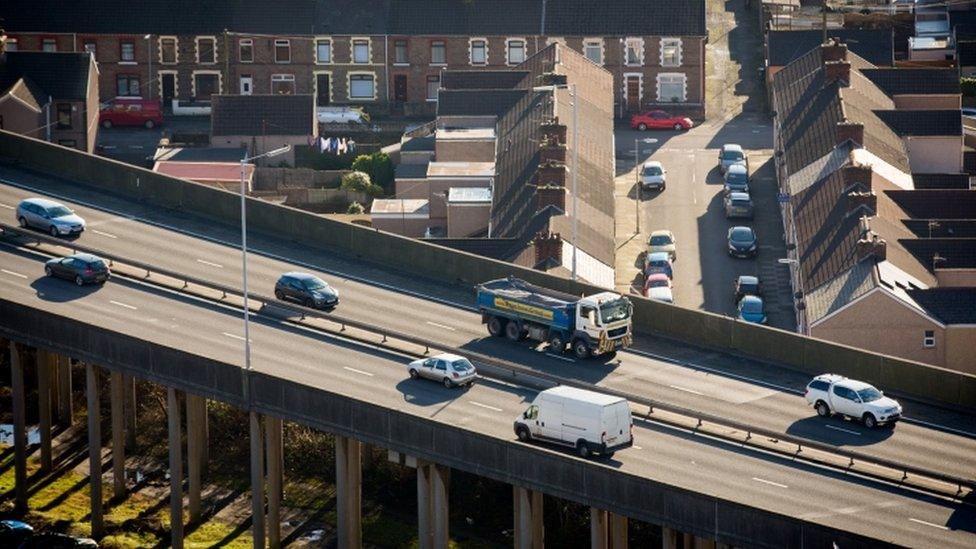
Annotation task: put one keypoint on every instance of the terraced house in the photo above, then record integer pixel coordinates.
(384, 55)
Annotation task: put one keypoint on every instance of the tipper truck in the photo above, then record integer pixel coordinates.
(591, 325)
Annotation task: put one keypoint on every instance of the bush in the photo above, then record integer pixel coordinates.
(360, 182)
(379, 167)
(355, 208)
(968, 86)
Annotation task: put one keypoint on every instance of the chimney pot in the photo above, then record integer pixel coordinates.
(866, 202)
(837, 70)
(550, 195)
(833, 51)
(548, 246)
(872, 246)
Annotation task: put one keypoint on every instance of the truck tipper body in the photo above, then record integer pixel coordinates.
(591, 325)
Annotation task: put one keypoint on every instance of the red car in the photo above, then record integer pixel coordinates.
(126, 111)
(659, 120)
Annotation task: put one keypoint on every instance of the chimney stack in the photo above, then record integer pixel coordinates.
(551, 173)
(872, 245)
(550, 195)
(548, 247)
(850, 130)
(857, 176)
(833, 51)
(862, 202)
(554, 133)
(837, 70)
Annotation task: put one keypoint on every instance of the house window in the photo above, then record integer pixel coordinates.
(670, 52)
(127, 85)
(433, 84)
(593, 49)
(64, 116)
(361, 86)
(516, 51)
(671, 88)
(438, 52)
(206, 51)
(90, 47)
(11, 44)
(282, 51)
(127, 51)
(634, 56)
(246, 50)
(360, 51)
(49, 44)
(205, 84)
(283, 84)
(167, 51)
(928, 341)
(479, 52)
(400, 53)
(323, 51)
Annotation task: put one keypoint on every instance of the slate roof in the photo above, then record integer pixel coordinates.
(948, 305)
(963, 22)
(929, 181)
(61, 75)
(837, 292)
(946, 228)
(817, 170)
(465, 17)
(482, 103)
(482, 79)
(362, 17)
(923, 123)
(262, 115)
(936, 203)
(875, 46)
(411, 171)
(966, 53)
(914, 81)
(957, 253)
(28, 92)
(416, 144)
(625, 18)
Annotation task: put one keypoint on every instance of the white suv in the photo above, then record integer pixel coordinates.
(834, 394)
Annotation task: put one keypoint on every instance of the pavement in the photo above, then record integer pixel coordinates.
(135, 144)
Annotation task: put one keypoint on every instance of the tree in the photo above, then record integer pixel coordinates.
(379, 167)
(360, 182)
(355, 208)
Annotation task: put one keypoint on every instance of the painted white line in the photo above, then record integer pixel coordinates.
(360, 372)
(933, 525)
(636, 447)
(769, 482)
(554, 355)
(235, 336)
(692, 391)
(939, 427)
(480, 405)
(7, 206)
(109, 235)
(441, 326)
(210, 263)
(834, 427)
(11, 273)
(126, 305)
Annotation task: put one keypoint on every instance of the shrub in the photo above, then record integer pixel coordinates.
(968, 86)
(360, 182)
(379, 167)
(355, 208)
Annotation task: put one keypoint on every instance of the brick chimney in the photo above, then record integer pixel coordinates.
(548, 247)
(549, 153)
(865, 203)
(833, 51)
(858, 176)
(872, 245)
(850, 130)
(550, 195)
(551, 173)
(554, 133)
(837, 70)
(553, 79)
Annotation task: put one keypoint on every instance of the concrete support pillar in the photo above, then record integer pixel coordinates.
(65, 409)
(175, 469)
(129, 382)
(196, 410)
(20, 428)
(722, 545)
(424, 530)
(704, 543)
(529, 530)
(43, 362)
(94, 449)
(688, 540)
(272, 426)
(118, 435)
(599, 528)
(349, 480)
(669, 538)
(257, 480)
(432, 505)
(619, 538)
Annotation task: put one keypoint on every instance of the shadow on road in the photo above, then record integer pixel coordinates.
(838, 431)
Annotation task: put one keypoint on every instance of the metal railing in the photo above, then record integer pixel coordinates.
(516, 370)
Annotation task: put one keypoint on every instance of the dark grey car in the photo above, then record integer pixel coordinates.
(738, 205)
(743, 242)
(81, 268)
(307, 289)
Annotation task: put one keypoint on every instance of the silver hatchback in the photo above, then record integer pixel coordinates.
(50, 216)
(451, 370)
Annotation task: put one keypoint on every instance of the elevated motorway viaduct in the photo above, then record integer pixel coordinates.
(711, 491)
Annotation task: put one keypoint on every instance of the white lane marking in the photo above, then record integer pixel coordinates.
(933, 525)
(235, 336)
(11, 273)
(360, 372)
(480, 405)
(210, 263)
(441, 326)
(940, 427)
(8, 206)
(769, 482)
(553, 355)
(109, 235)
(636, 447)
(692, 391)
(120, 304)
(834, 427)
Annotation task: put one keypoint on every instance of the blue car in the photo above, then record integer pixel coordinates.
(13, 532)
(752, 309)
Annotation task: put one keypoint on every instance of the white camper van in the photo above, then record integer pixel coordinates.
(593, 423)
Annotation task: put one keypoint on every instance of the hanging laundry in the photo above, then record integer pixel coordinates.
(342, 146)
(351, 145)
(322, 145)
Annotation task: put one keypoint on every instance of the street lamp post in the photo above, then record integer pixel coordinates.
(149, 54)
(637, 170)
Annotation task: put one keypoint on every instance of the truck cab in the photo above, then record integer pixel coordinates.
(601, 321)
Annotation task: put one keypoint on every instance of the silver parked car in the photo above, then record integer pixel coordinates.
(451, 370)
(49, 216)
(731, 154)
(738, 205)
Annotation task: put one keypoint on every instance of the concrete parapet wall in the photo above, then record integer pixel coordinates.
(789, 350)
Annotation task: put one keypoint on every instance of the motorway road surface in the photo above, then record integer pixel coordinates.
(754, 478)
(706, 381)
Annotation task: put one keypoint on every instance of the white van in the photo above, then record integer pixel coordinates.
(593, 423)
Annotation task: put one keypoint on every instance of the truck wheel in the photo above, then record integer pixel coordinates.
(557, 344)
(822, 409)
(496, 326)
(581, 349)
(869, 421)
(583, 449)
(523, 434)
(513, 331)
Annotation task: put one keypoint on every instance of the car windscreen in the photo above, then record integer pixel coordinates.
(58, 211)
(657, 283)
(660, 240)
(614, 311)
(652, 170)
(98, 265)
(731, 155)
(869, 394)
(752, 307)
(315, 284)
(462, 365)
(741, 202)
(742, 235)
(748, 288)
(736, 178)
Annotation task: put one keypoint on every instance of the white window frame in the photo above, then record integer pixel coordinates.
(13, 42)
(134, 54)
(274, 54)
(928, 342)
(315, 85)
(471, 42)
(245, 42)
(197, 44)
(318, 60)
(598, 42)
(349, 76)
(677, 42)
(176, 49)
(401, 63)
(426, 90)
(369, 50)
(282, 77)
(684, 86)
(430, 51)
(44, 42)
(508, 53)
(193, 81)
(639, 43)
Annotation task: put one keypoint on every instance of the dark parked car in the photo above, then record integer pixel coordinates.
(57, 541)
(307, 289)
(82, 268)
(12, 532)
(752, 309)
(738, 205)
(737, 179)
(747, 285)
(743, 242)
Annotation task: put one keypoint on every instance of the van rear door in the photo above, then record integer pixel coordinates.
(616, 423)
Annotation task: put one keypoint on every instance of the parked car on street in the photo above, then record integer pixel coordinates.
(658, 262)
(752, 309)
(658, 119)
(658, 287)
(731, 154)
(57, 541)
(743, 242)
(834, 394)
(124, 111)
(81, 268)
(662, 241)
(653, 175)
(13, 532)
(590, 422)
(50, 216)
(747, 285)
(738, 205)
(737, 179)
(969, 112)
(451, 370)
(306, 289)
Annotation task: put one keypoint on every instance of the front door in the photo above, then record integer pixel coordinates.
(247, 84)
(169, 88)
(322, 89)
(633, 93)
(400, 88)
